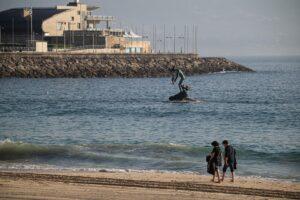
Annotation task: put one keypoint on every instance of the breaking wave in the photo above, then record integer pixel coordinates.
(10, 150)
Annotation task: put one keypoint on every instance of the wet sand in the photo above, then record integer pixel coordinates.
(137, 185)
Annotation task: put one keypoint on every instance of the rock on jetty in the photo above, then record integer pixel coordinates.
(55, 65)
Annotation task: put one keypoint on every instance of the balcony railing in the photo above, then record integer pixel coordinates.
(99, 18)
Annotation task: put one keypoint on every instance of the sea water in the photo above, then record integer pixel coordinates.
(119, 123)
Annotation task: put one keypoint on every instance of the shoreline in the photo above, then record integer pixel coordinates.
(156, 182)
(42, 169)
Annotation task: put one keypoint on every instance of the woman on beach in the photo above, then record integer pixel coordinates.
(216, 160)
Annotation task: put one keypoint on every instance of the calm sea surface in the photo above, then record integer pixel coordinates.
(129, 124)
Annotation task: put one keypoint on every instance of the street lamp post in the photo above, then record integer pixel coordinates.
(153, 37)
(64, 40)
(93, 43)
(183, 38)
(31, 16)
(193, 39)
(13, 32)
(187, 39)
(0, 34)
(83, 39)
(184, 42)
(164, 38)
(144, 37)
(159, 42)
(174, 38)
(196, 39)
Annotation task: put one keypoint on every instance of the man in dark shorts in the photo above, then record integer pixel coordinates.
(229, 159)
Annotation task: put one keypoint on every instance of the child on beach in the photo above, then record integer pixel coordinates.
(216, 160)
(229, 160)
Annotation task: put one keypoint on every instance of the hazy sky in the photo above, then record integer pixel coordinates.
(225, 27)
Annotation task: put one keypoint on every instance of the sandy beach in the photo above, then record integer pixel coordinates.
(137, 185)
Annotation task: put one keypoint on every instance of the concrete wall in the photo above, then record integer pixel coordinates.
(108, 65)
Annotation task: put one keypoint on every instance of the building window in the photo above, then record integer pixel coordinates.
(78, 12)
(72, 18)
(59, 26)
(78, 25)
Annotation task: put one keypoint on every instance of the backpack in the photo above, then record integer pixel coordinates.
(235, 161)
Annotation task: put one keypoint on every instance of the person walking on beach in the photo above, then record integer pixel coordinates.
(229, 160)
(177, 73)
(216, 160)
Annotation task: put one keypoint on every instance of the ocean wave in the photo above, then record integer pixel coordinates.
(10, 150)
(158, 153)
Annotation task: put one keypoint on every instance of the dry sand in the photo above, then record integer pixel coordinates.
(136, 185)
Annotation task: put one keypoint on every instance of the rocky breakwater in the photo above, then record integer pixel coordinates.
(55, 65)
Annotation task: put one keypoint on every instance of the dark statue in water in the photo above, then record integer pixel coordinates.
(182, 95)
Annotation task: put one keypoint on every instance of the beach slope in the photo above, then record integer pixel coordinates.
(137, 185)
